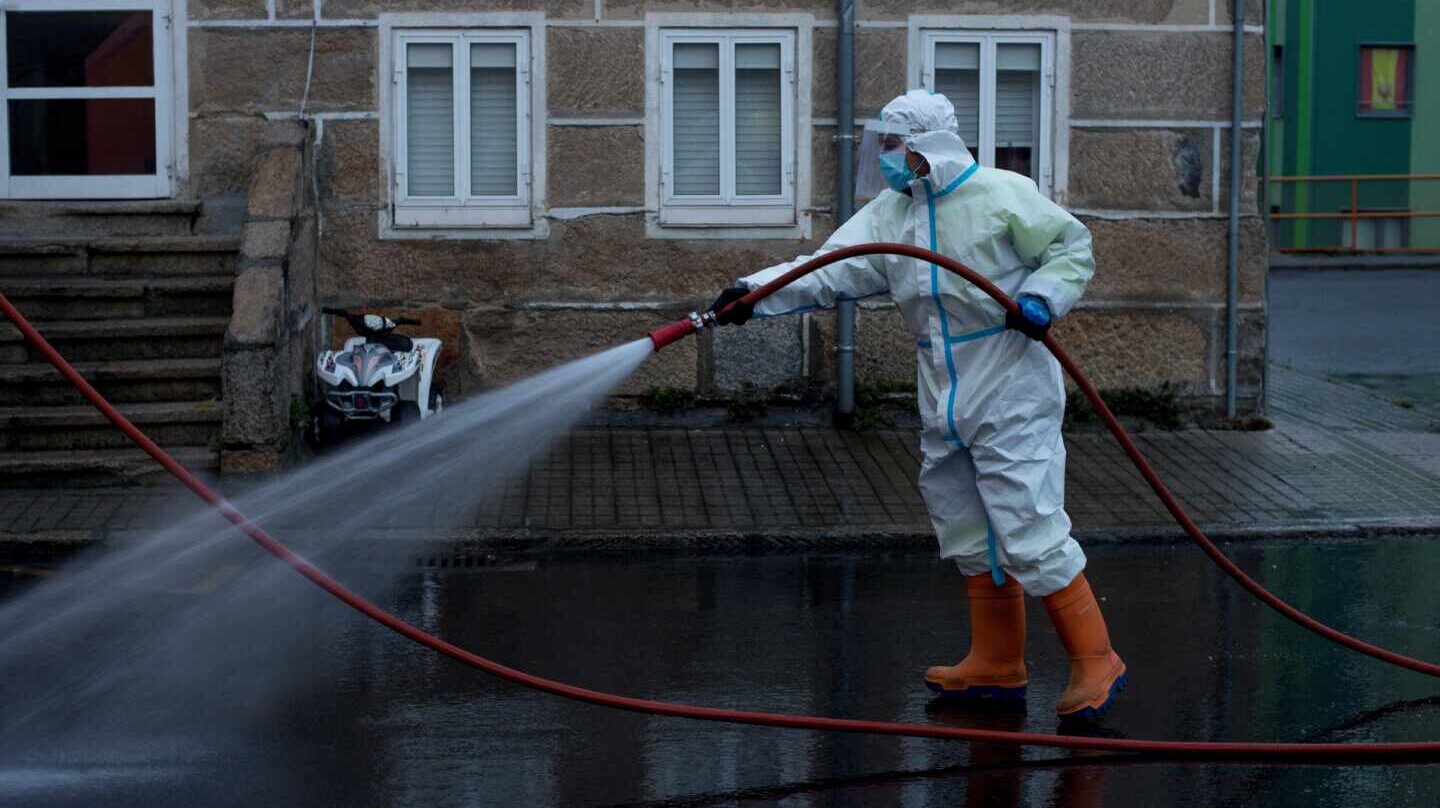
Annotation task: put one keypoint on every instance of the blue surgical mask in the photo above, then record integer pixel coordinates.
(897, 172)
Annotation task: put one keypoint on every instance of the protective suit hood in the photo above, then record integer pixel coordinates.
(948, 158)
(934, 133)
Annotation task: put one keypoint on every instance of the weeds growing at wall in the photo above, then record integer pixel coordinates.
(874, 402)
(1159, 406)
(667, 399)
(746, 408)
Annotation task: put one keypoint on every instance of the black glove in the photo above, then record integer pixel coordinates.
(738, 314)
(1032, 318)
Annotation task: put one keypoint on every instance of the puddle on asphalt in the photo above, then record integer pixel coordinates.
(316, 705)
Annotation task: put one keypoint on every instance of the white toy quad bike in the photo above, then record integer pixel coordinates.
(379, 377)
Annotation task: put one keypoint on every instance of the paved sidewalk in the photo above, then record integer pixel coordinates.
(1339, 460)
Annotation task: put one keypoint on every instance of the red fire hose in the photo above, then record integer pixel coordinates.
(1357, 752)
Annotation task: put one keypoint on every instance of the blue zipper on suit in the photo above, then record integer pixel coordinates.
(930, 197)
(996, 574)
(954, 434)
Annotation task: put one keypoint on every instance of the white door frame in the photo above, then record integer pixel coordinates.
(165, 91)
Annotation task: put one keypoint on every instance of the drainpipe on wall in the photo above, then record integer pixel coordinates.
(1232, 290)
(1262, 198)
(845, 198)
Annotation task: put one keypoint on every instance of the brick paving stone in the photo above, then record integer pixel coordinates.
(12, 507)
(84, 508)
(1336, 453)
(55, 511)
(38, 507)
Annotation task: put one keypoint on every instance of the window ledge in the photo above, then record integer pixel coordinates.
(658, 227)
(711, 215)
(494, 216)
(529, 228)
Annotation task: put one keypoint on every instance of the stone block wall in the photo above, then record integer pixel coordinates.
(273, 332)
(1148, 132)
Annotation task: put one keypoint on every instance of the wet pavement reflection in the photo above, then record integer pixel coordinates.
(336, 711)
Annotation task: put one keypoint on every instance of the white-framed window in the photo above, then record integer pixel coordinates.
(461, 124)
(1002, 84)
(728, 127)
(87, 95)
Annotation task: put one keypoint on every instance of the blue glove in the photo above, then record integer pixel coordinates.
(1033, 319)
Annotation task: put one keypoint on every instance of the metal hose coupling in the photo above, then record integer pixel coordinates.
(693, 324)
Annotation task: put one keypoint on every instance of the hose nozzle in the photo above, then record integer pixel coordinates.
(693, 324)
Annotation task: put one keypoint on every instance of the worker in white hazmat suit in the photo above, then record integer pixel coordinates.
(991, 398)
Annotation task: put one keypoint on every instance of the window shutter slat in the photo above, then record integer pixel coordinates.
(1015, 108)
(494, 133)
(758, 169)
(962, 87)
(957, 77)
(430, 120)
(1017, 95)
(696, 124)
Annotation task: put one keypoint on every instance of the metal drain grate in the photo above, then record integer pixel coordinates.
(481, 562)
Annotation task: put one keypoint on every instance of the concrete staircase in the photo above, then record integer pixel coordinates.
(139, 303)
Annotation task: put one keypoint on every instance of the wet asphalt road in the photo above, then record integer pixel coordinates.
(312, 705)
(1378, 329)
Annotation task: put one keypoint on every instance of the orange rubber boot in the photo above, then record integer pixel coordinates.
(995, 666)
(1097, 674)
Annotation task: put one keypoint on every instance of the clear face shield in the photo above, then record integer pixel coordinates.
(878, 139)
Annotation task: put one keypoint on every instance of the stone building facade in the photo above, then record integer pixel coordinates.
(592, 241)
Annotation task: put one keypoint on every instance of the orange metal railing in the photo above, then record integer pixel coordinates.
(1352, 217)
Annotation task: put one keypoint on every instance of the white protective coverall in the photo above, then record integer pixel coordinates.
(991, 400)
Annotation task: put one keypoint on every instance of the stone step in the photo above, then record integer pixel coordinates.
(140, 217)
(136, 380)
(130, 256)
(168, 423)
(99, 298)
(105, 340)
(88, 468)
(184, 255)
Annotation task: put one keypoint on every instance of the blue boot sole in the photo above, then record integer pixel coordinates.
(993, 693)
(1092, 713)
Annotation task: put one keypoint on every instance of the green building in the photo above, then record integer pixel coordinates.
(1353, 91)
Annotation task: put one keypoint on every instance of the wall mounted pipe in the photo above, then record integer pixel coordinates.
(1232, 270)
(845, 198)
